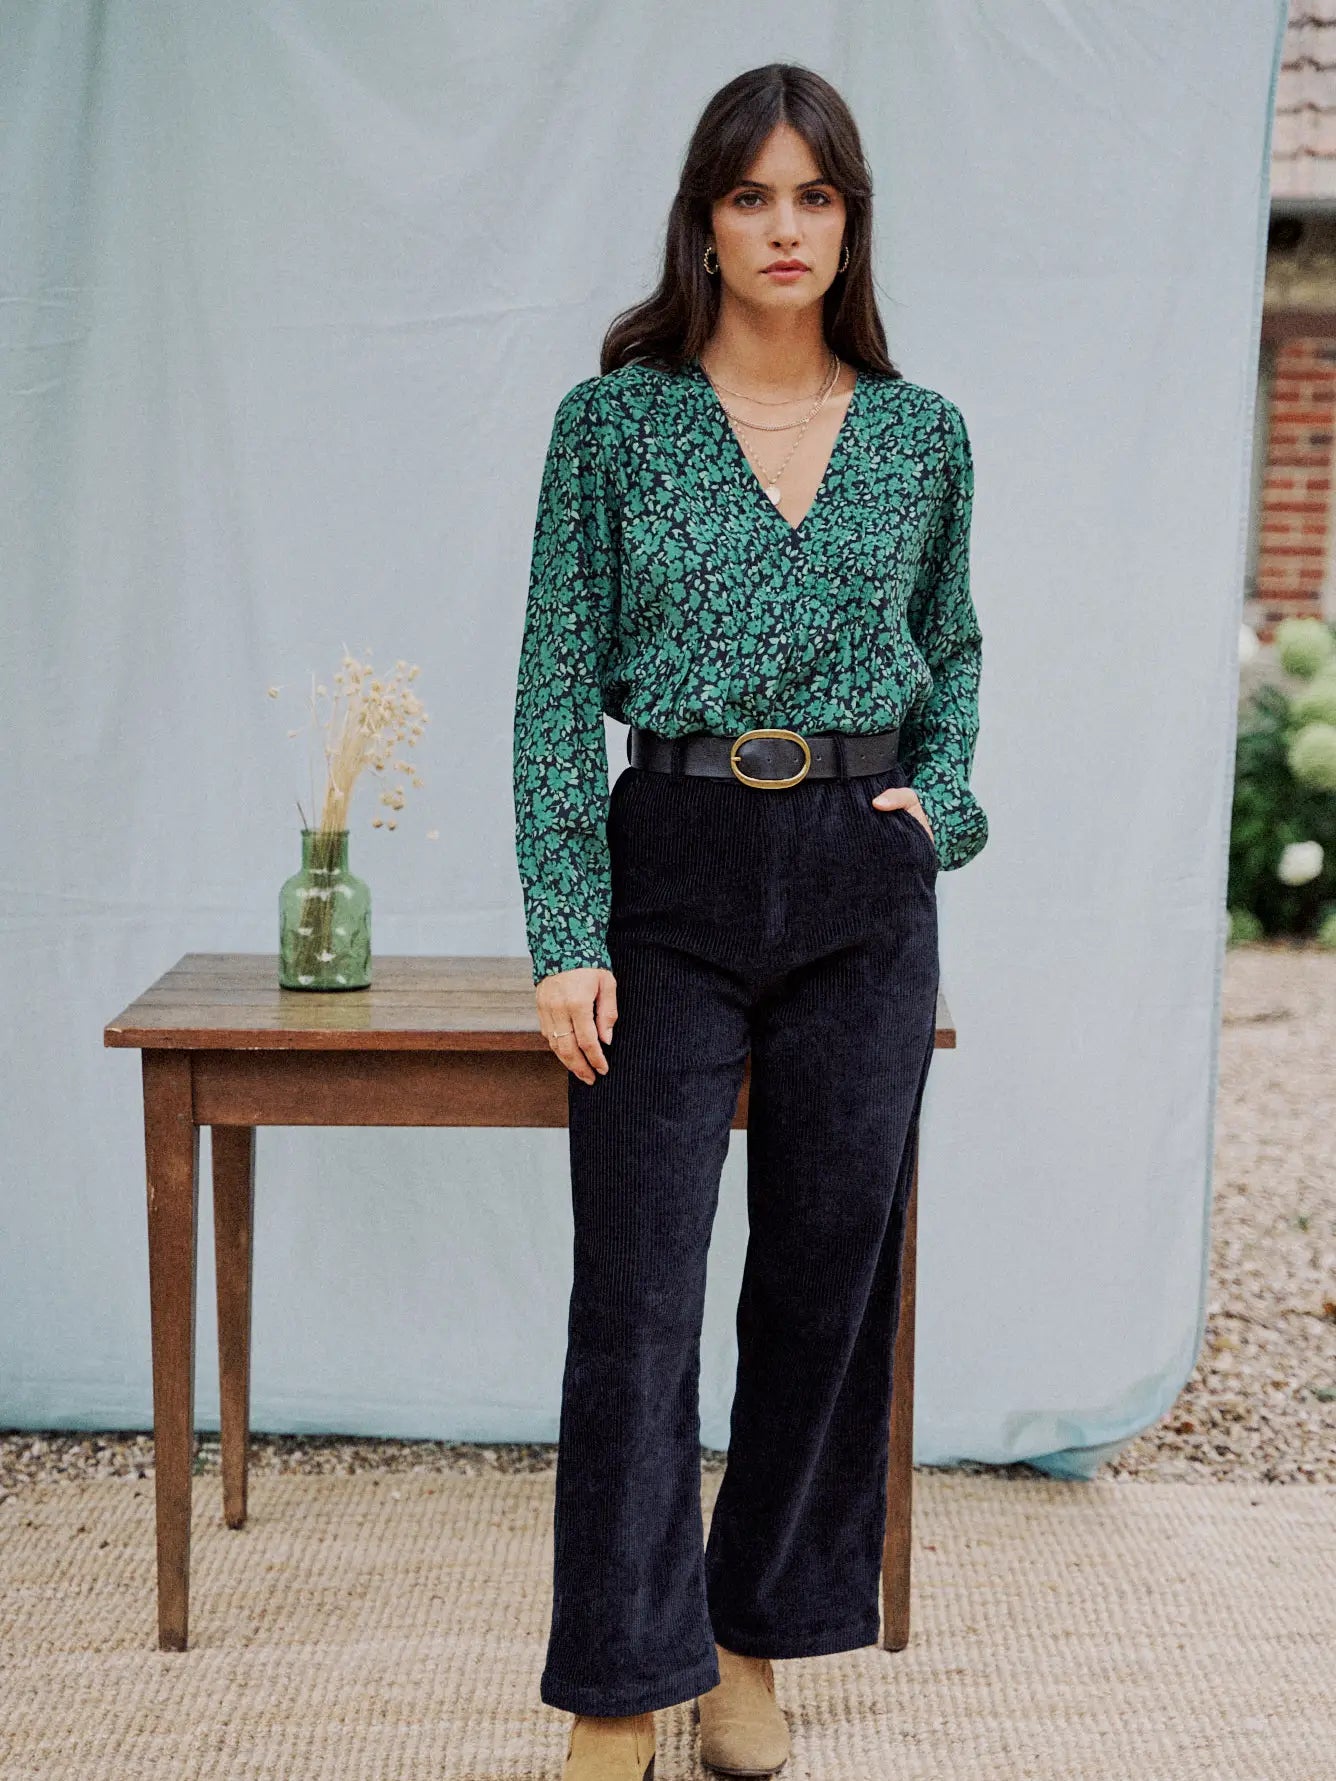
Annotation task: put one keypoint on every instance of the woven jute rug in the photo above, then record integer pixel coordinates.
(394, 1627)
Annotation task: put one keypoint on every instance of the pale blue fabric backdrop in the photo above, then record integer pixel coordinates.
(290, 294)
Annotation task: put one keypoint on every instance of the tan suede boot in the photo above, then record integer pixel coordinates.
(742, 1729)
(602, 1748)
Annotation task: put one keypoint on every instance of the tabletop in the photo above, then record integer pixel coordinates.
(220, 1001)
(417, 1002)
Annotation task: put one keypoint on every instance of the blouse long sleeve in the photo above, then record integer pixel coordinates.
(939, 735)
(560, 758)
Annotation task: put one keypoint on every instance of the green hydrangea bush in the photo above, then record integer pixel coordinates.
(1282, 847)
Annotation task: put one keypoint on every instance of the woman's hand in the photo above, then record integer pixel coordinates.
(895, 796)
(575, 1010)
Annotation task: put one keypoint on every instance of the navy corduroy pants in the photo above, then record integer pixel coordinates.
(798, 926)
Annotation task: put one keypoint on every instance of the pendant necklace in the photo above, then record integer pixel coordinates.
(770, 483)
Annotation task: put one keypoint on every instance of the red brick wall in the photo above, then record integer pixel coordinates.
(1294, 545)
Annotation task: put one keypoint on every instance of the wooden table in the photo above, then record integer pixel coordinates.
(432, 1042)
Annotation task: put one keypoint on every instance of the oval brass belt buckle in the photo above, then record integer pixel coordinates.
(769, 784)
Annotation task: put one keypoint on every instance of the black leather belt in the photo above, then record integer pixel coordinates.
(767, 759)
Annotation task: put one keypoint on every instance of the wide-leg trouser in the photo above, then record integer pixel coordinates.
(798, 925)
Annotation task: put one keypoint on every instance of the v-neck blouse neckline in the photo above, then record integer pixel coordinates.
(743, 463)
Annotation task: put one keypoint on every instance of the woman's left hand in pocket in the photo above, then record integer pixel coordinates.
(896, 796)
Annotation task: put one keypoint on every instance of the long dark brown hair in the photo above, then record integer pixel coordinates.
(673, 324)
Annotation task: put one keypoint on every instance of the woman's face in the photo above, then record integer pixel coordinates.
(782, 210)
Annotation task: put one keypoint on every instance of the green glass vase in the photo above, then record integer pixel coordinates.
(324, 918)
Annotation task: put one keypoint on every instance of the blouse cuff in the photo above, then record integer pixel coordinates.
(572, 950)
(959, 822)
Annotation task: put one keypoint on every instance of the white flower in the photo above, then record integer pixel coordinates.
(1249, 645)
(1300, 862)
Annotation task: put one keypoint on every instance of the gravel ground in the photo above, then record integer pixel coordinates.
(1261, 1403)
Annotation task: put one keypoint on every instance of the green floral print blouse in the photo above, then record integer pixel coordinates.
(667, 590)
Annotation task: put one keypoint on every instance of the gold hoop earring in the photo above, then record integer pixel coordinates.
(844, 263)
(708, 267)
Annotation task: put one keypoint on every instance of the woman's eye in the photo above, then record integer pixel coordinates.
(741, 198)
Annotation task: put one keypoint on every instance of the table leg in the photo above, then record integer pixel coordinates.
(896, 1548)
(171, 1149)
(233, 1242)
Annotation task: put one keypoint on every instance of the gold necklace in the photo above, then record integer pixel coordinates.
(770, 482)
(781, 426)
(763, 402)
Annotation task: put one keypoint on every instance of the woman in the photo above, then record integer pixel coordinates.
(752, 548)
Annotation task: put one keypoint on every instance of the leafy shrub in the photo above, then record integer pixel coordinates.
(1282, 847)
